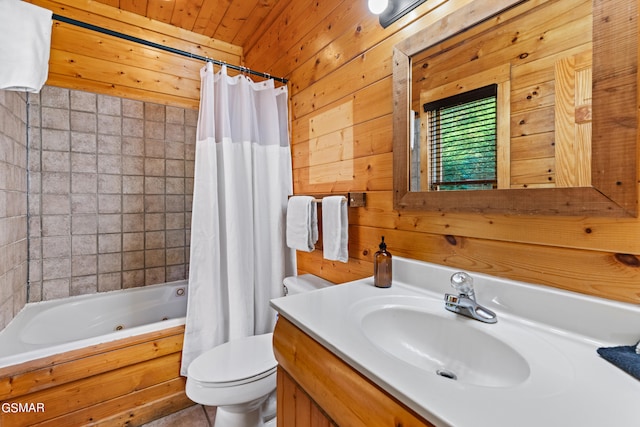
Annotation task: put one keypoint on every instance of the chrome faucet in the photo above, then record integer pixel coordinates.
(465, 302)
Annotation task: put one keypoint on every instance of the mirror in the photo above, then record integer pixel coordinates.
(611, 189)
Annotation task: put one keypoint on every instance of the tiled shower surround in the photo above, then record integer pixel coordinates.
(13, 204)
(110, 191)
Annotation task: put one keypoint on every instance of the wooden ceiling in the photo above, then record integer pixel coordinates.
(232, 21)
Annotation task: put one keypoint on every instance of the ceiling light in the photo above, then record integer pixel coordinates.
(377, 6)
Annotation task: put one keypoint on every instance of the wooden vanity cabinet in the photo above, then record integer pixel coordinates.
(318, 389)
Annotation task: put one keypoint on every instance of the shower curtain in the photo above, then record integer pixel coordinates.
(242, 180)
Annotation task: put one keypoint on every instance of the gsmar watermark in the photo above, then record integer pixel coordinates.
(21, 407)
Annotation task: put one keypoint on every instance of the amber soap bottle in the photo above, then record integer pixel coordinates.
(382, 267)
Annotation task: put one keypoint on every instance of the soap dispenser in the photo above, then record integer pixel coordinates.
(382, 267)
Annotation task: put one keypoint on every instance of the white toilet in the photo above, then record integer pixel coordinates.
(239, 377)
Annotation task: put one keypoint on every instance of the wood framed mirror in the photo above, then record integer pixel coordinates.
(613, 189)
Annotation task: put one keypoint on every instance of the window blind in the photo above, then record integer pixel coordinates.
(462, 140)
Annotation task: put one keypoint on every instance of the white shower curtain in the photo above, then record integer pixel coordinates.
(241, 183)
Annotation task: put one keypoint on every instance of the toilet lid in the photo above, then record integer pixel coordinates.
(235, 360)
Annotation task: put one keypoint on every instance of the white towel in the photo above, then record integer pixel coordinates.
(335, 228)
(302, 223)
(25, 42)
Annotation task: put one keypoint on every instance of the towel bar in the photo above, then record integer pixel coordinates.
(354, 200)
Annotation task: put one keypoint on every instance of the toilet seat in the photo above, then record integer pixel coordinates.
(239, 377)
(234, 363)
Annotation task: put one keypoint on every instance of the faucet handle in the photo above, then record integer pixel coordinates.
(463, 283)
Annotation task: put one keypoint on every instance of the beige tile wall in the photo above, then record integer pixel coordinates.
(110, 195)
(13, 204)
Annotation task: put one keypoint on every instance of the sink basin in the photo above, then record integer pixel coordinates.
(451, 347)
(456, 371)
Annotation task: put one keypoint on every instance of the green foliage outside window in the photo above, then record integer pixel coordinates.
(463, 141)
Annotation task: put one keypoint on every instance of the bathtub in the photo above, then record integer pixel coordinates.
(44, 328)
(109, 358)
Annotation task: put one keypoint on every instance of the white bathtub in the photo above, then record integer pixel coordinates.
(51, 327)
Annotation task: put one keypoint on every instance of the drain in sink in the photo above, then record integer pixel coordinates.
(447, 374)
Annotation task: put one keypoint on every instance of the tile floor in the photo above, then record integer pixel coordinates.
(193, 416)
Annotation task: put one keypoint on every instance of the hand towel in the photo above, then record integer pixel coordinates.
(624, 357)
(302, 223)
(335, 228)
(25, 42)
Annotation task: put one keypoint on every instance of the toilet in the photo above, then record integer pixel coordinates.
(239, 377)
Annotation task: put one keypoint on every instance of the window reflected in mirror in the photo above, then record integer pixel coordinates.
(459, 143)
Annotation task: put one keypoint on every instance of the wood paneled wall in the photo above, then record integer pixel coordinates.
(87, 60)
(338, 59)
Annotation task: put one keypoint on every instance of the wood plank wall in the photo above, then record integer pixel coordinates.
(87, 60)
(339, 61)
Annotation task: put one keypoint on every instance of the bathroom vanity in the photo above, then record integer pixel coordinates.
(357, 355)
(316, 388)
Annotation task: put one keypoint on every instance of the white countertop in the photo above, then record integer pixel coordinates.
(569, 384)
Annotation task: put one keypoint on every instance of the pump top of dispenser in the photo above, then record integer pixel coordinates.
(383, 245)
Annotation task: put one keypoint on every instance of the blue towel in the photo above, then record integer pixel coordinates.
(624, 357)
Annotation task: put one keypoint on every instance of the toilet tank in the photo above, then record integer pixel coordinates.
(303, 283)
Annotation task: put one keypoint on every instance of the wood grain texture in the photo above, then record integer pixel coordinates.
(578, 253)
(87, 60)
(347, 397)
(129, 381)
(530, 49)
(614, 72)
(230, 20)
(573, 143)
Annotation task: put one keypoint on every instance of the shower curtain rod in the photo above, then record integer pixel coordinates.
(162, 47)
